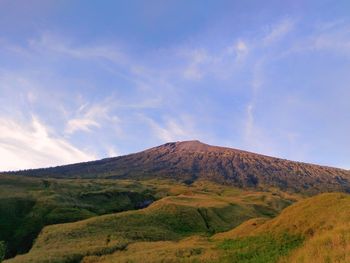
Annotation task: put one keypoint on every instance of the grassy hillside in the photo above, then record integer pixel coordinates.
(312, 230)
(201, 209)
(173, 230)
(28, 204)
(325, 222)
(321, 221)
(203, 222)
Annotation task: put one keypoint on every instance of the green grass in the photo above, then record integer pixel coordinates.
(28, 204)
(259, 249)
(200, 209)
(312, 230)
(322, 221)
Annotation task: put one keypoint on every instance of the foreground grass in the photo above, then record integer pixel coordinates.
(322, 221)
(259, 249)
(203, 222)
(28, 204)
(312, 230)
(198, 210)
(325, 221)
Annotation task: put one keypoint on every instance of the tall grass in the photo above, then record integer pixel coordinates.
(259, 249)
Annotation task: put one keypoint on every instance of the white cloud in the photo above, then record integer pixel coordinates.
(338, 42)
(173, 130)
(221, 63)
(24, 146)
(278, 31)
(32, 98)
(249, 123)
(61, 45)
(254, 136)
(240, 49)
(197, 58)
(82, 124)
(332, 37)
(112, 152)
(89, 118)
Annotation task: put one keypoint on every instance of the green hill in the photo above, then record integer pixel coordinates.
(28, 204)
(97, 220)
(311, 230)
(321, 223)
(180, 229)
(202, 209)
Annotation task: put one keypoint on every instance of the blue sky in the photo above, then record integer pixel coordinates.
(82, 80)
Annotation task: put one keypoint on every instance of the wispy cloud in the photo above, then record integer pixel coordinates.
(232, 83)
(197, 58)
(219, 63)
(254, 136)
(173, 129)
(278, 31)
(32, 145)
(240, 49)
(57, 44)
(331, 36)
(112, 151)
(89, 117)
(81, 124)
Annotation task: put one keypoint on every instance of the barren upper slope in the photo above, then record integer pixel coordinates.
(191, 160)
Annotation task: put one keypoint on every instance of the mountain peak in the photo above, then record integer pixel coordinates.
(194, 145)
(191, 146)
(193, 160)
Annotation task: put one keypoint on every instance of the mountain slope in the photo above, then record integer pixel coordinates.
(189, 161)
(322, 221)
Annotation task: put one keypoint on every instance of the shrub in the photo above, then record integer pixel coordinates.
(2, 250)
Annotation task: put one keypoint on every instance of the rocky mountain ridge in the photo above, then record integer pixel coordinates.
(189, 161)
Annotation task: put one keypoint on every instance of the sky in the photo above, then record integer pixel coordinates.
(83, 80)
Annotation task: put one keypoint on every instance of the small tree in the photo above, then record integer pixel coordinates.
(2, 250)
(46, 183)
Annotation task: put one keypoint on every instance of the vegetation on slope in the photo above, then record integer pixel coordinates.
(188, 224)
(311, 230)
(201, 209)
(260, 248)
(2, 250)
(29, 204)
(322, 221)
(325, 221)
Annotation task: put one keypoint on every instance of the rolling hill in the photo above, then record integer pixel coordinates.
(201, 209)
(189, 161)
(315, 229)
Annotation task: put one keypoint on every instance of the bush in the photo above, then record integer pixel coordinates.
(2, 250)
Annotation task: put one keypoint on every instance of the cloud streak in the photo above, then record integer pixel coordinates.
(233, 90)
(88, 118)
(31, 145)
(278, 31)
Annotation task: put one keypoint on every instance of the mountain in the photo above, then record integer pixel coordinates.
(189, 161)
